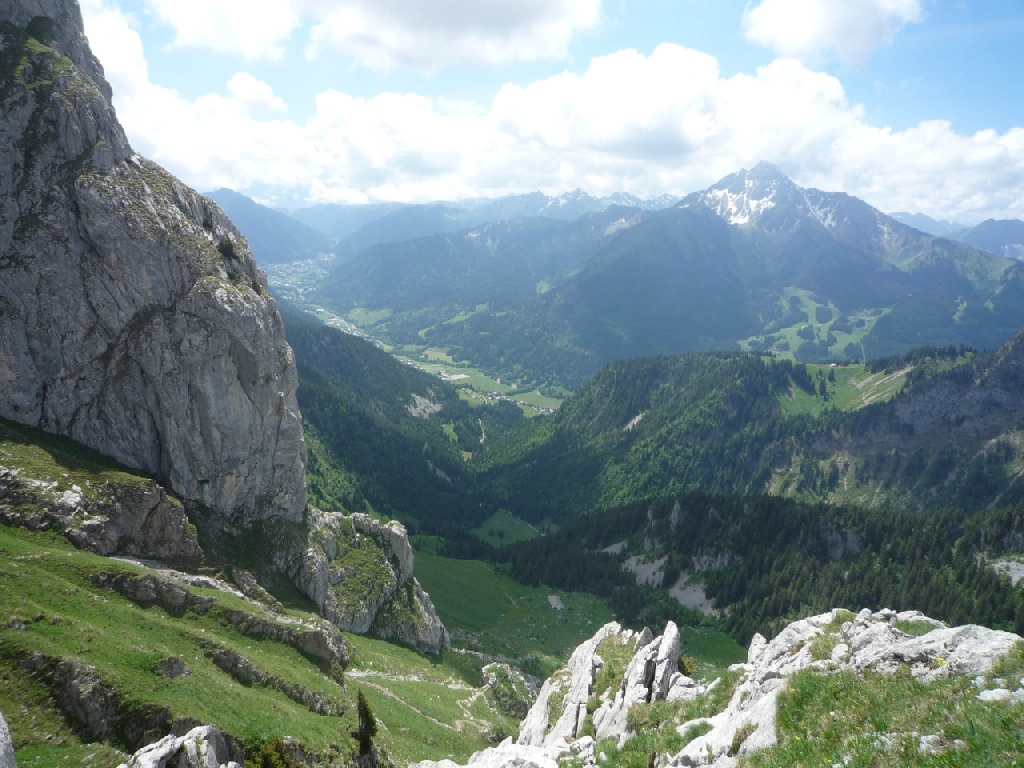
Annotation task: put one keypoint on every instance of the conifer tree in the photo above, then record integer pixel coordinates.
(367, 728)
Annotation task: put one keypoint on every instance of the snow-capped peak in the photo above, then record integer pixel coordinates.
(738, 208)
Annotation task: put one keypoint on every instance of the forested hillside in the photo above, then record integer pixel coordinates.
(763, 559)
(740, 423)
(386, 436)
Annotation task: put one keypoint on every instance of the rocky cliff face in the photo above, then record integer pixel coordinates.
(132, 316)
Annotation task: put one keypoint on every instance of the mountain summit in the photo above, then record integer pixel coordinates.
(134, 318)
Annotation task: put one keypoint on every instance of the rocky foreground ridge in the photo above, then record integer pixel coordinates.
(582, 712)
(132, 316)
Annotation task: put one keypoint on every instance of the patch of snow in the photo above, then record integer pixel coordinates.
(823, 212)
(738, 209)
(620, 225)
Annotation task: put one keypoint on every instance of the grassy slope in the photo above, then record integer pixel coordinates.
(42, 576)
(847, 719)
(490, 612)
(854, 388)
(54, 459)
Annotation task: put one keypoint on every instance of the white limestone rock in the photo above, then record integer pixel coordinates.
(132, 316)
(648, 678)
(871, 641)
(504, 756)
(542, 728)
(202, 747)
(6, 746)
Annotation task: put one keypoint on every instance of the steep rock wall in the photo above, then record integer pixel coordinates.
(132, 316)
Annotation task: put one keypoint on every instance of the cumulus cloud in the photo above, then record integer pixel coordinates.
(254, 29)
(384, 34)
(388, 34)
(667, 121)
(849, 30)
(255, 93)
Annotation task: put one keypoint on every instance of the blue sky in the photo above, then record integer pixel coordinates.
(910, 104)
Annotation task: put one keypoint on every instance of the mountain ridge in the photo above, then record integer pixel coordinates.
(752, 262)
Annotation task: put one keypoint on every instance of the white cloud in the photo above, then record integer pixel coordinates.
(647, 124)
(388, 34)
(384, 34)
(849, 29)
(254, 29)
(255, 93)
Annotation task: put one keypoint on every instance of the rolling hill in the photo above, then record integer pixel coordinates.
(935, 429)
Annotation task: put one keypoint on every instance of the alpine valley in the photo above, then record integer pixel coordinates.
(538, 481)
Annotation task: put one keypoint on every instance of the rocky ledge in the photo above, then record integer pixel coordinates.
(126, 516)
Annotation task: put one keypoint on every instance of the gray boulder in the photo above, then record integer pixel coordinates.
(133, 317)
(6, 746)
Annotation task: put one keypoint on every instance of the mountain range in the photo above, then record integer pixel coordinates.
(753, 262)
(1001, 237)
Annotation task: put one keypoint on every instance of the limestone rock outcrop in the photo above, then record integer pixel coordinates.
(6, 746)
(651, 674)
(871, 641)
(647, 672)
(202, 747)
(132, 316)
(359, 573)
(504, 756)
(130, 517)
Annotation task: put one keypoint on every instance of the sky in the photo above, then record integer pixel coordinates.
(912, 105)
